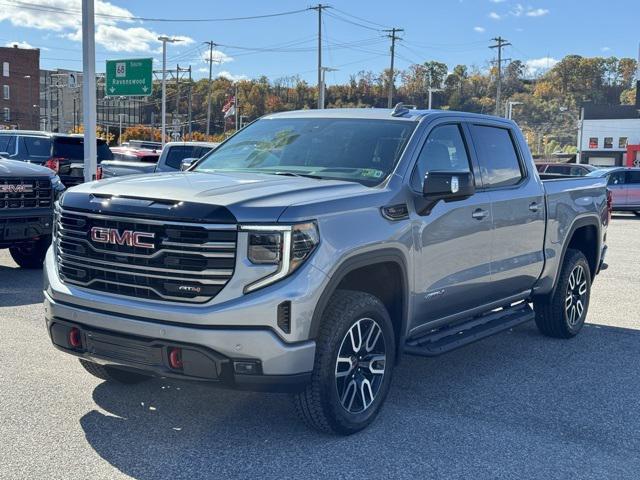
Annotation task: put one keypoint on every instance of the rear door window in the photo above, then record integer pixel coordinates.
(633, 177)
(499, 162)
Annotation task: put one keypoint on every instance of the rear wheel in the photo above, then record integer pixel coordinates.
(355, 354)
(110, 373)
(31, 255)
(562, 314)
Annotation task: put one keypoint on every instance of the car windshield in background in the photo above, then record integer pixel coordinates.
(177, 153)
(361, 150)
(73, 148)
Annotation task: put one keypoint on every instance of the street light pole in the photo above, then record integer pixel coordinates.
(164, 40)
(510, 108)
(323, 85)
(89, 90)
(120, 116)
(431, 90)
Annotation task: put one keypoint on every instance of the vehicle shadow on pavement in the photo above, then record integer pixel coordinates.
(517, 405)
(20, 286)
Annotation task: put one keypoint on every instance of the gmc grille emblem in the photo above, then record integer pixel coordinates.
(16, 188)
(114, 236)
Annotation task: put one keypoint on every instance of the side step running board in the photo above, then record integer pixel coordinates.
(445, 339)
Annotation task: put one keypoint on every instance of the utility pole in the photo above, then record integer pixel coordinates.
(211, 44)
(392, 35)
(319, 8)
(500, 44)
(164, 40)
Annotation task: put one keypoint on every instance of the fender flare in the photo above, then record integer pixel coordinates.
(354, 262)
(589, 220)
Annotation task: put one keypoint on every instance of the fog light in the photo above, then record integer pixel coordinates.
(247, 368)
(75, 339)
(175, 358)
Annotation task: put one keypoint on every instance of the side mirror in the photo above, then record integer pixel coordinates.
(186, 163)
(448, 186)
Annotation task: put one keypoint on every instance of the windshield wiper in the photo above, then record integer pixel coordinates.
(295, 174)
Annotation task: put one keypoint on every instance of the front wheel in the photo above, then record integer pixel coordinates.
(31, 255)
(562, 314)
(355, 354)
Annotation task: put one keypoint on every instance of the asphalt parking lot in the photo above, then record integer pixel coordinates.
(517, 405)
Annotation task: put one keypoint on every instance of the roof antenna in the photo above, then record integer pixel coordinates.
(399, 110)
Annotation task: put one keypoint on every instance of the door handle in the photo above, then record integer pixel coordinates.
(534, 207)
(479, 214)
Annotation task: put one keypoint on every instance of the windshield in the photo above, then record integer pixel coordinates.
(360, 150)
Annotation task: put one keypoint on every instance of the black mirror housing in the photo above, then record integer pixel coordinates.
(448, 185)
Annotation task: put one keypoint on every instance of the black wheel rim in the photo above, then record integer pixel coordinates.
(576, 299)
(360, 366)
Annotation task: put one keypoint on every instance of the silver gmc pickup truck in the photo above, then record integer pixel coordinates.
(312, 249)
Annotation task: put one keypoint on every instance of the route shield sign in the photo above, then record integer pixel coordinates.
(131, 77)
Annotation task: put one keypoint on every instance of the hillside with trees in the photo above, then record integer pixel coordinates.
(548, 113)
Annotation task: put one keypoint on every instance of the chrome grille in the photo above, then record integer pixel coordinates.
(189, 262)
(37, 193)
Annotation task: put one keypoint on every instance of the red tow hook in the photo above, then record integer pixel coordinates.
(175, 358)
(75, 339)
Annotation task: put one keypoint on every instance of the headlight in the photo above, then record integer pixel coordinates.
(285, 246)
(57, 187)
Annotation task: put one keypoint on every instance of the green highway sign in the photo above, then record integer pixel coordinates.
(130, 77)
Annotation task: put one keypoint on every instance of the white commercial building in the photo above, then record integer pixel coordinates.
(606, 131)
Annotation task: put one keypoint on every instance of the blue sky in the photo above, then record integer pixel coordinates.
(451, 31)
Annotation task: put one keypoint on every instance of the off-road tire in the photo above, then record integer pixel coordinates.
(31, 255)
(320, 405)
(113, 374)
(552, 316)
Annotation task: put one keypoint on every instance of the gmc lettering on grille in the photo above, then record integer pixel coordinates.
(114, 236)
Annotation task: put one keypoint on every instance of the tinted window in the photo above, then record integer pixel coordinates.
(37, 146)
(616, 178)
(73, 148)
(178, 153)
(4, 143)
(497, 156)
(354, 149)
(443, 150)
(633, 177)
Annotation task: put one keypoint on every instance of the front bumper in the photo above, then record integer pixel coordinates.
(142, 345)
(24, 226)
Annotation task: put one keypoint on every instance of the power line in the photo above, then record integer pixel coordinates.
(46, 8)
(360, 18)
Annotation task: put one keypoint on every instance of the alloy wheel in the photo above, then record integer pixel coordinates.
(576, 298)
(360, 365)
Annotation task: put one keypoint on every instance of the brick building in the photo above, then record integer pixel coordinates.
(19, 88)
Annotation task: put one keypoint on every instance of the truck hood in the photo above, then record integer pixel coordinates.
(248, 196)
(14, 168)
